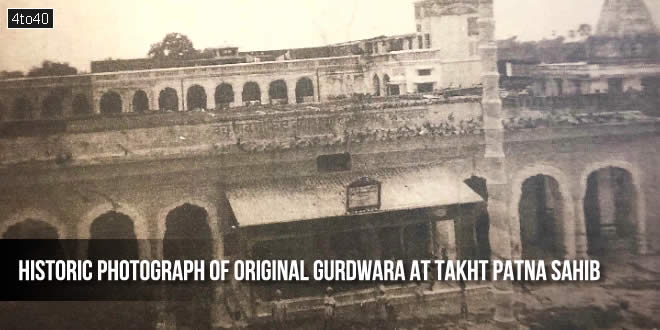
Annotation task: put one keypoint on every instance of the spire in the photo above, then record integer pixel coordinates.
(628, 17)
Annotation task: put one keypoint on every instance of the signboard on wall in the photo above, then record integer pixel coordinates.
(363, 195)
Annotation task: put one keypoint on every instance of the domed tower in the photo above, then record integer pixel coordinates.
(627, 29)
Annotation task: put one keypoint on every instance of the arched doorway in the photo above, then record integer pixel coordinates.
(22, 109)
(140, 101)
(51, 106)
(80, 105)
(112, 236)
(251, 93)
(540, 213)
(376, 84)
(609, 211)
(304, 90)
(224, 96)
(48, 246)
(196, 98)
(277, 92)
(168, 100)
(188, 236)
(110, 103)
(386, 84)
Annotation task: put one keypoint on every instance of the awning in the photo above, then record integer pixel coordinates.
(289, 200)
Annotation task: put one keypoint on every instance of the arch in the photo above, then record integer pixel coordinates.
(112, 236)
(139, 223)
(34, 214)
(277, 92)
(51, 106)
(140, 101)
(80, 105)
(224, 95)
(639, 203)
(376, 84)
(304, 90)
(22, 108)
(188, 235)
(251, 92)
(567, 224)
(386, 84)
(110, 103)
(540, 210)
(196, 98)
(141, 226)
(168, 99)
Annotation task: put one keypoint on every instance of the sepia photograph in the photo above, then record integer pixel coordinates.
(330, 164)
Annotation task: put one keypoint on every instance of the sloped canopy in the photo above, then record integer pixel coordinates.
(289, 200)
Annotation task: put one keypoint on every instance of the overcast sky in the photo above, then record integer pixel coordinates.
(88, 30)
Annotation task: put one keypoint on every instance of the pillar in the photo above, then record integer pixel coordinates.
(291, 90)
(606, 205)
(238, 95)
(581, 243)
(445, 238)
(497, 180)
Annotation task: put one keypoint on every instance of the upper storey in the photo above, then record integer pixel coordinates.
(449, 25)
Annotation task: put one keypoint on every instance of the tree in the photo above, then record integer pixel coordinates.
(10, 74)
(584, 30)
(173, 46)
(50, 68)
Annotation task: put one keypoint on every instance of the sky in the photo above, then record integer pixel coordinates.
(87, 30)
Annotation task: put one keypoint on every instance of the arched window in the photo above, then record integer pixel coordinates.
(110, 103)
(22, 108)
(304, 90)
(168, 100)
(224, 95)
(278, 92)
(251, 93)
(196, 98)
(51, 106)
(376, 84)
(140, 101)
(80, 105)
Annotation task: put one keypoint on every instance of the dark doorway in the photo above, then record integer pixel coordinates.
(278, 92)
(251, 93)
(540, 211)
(140, 101)
(22, 109)
(110, 103)
(80, 105)
(52, 106)
(304, 90)
(168, 100)
(609, 211)
(224, 96)
(196, 98)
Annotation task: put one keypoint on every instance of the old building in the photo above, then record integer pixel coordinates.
(339, 176)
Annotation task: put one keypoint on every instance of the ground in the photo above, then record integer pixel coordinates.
(627, 298)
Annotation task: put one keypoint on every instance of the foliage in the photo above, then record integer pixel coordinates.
(50, 68)
(173, 46)
(10, 74)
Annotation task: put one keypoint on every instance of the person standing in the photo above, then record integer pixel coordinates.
(383, 310)
(279, 311)
(329, 306)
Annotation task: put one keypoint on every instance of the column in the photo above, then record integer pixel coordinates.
(581, 243)
(291, 90)
(606, 205)
(497, 180)
(238, 95)
(209, 89)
